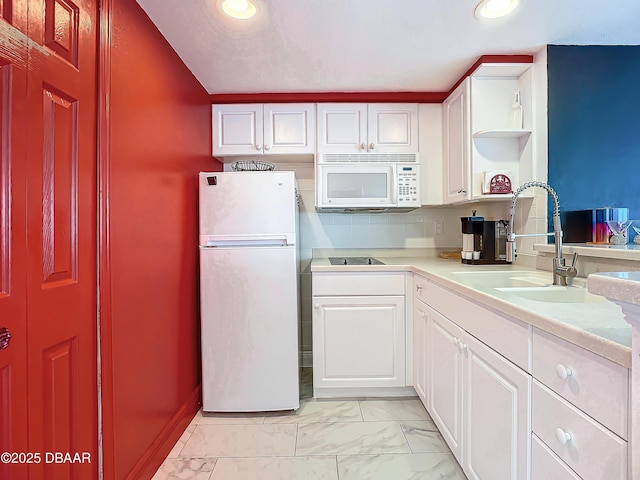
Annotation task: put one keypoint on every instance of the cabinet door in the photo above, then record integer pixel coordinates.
(496, 404)
(237, 129)
(456, 145)
(289, 128)
(420, 317)
(342, 127)
(358, 341)
(392, 128)
(445, 379)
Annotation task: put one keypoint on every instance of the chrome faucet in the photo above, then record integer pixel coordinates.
(560, 270)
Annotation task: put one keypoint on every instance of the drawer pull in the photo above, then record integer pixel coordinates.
(562, 436)
(563, 372)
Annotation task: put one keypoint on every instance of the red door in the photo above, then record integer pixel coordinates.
(54, 279)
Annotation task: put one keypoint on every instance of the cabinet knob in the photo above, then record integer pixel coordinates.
(267, 148)
(461, 346)
(418, 288)
(258, 147)
(462, 190)
(423, 314)
(362, 146)
(316, 305)
(562, 436)
(563, 372)
(371, 146)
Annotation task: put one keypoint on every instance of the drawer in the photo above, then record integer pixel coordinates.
(595, 385)
(588, 448)
(546, 465)
(507, 336)
(357, 283)
(420, 285)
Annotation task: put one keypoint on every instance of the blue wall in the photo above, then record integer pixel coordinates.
(594, 126)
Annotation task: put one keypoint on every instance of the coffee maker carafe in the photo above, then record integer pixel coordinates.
(484, 242)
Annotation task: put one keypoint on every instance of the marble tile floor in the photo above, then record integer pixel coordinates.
(350, 439)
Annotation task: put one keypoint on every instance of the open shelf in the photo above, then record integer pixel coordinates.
(502, 133)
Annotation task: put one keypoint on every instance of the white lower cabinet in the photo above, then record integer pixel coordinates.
(420, 317)
(445, 365)
(579, 409)
(496, 402)
(546, 465)
(358, 342)
(588, 448)
(479, 401)
(514, 402)
(359, 337)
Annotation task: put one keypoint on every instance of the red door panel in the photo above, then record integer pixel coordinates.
(59, 190)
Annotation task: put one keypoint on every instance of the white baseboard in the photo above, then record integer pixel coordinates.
(361, 392)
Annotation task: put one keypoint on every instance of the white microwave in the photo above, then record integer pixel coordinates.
(360, 183)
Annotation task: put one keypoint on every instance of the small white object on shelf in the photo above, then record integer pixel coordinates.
(517, 111)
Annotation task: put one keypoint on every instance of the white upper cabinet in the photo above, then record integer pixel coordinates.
(455, 113)
(486, 133)
(269, 129)
(342, 127)
(367, 128)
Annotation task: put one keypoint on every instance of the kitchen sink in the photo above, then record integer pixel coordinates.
(531, 285)
(502, 278)
(554, 294)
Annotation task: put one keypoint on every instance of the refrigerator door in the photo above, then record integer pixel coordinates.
(237, 206)
(249, 311)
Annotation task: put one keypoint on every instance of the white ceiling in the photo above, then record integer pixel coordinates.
(372, 45)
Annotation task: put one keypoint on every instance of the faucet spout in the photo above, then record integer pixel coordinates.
(560, 270)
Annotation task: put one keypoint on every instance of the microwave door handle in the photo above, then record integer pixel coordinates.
(393, 186)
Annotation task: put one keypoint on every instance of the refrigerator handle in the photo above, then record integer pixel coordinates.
(243, 240)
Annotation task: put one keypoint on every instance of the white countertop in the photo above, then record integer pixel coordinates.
(598, 327)
(619, 286)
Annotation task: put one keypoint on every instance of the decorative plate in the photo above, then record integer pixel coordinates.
(500, 183)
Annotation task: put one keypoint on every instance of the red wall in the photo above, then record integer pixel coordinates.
(159, 137)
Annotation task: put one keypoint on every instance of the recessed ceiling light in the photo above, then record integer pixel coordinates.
(489, 9)
(242, 9)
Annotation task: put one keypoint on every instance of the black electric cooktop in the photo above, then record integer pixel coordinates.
(354, 261)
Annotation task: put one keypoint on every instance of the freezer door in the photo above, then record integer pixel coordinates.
(234, 205)
(249, 314)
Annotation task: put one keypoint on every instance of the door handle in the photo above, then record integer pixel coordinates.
(5, 337)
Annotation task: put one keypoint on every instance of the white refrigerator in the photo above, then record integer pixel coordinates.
(249, 291)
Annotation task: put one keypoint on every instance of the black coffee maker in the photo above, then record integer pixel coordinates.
(484, 242)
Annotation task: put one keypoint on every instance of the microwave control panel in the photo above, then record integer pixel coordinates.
(408, 181)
